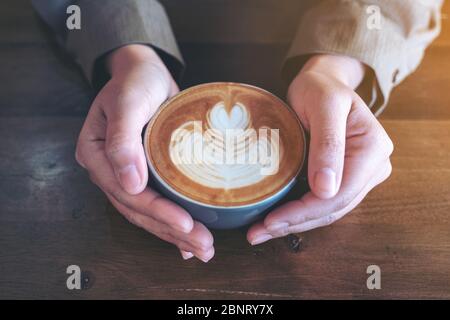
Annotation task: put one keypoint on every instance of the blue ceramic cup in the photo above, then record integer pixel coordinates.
(213, 216)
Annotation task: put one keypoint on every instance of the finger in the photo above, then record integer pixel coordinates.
(334, 216)
(309, 207)
(126, 118)
(186, 254)
(327, 146)
(206, 256)
(125, 121)
(357, 174)
(200, 237)
(92, 135)
(258, 234)
(199, 241)
(309, 218)
(193, 243)
(163, 231)
(148, 202)
(325, 220)
(149, 224)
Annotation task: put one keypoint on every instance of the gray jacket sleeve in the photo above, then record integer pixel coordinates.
(107, 25)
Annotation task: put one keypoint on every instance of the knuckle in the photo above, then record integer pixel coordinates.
(79, 157)
(389, 145)
(331, 143)
(204, 246)
(206, 243)
(281, 232)
(118, 143)
(385, 146)
(202, 240)
(388, 171)
(381, 142)
(284, 232)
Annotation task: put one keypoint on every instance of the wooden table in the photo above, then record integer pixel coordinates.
(51, 216)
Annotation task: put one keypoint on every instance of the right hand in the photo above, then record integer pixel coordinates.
(110, 149)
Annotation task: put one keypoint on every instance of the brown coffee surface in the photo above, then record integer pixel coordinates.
(195, 104)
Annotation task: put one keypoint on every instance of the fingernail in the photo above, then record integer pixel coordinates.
(205, 259)
(325, 181)
(186, 254)
(206, 256)
(277, 225)
(260, 239)
(129, 178)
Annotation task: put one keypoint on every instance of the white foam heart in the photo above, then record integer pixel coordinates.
(203, 156)
(220, 119)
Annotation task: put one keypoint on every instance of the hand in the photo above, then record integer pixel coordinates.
(349, 149)
(110, 148)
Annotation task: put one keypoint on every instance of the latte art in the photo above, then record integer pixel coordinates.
(224, 144)
(219, 118)
(230, 153)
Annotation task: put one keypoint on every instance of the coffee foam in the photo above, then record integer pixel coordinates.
(214, 109)
(228, 154)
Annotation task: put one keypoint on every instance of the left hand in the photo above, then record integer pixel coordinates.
(110, 149)
(349, 149)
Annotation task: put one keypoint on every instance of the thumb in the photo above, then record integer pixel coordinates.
(123, 145)
(327, 149)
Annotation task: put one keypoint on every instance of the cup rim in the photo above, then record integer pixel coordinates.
(203, 204)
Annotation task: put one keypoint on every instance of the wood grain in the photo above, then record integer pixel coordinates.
(51, 216)
(402, 226)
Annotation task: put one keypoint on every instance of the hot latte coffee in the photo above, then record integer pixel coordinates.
(225, 144)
